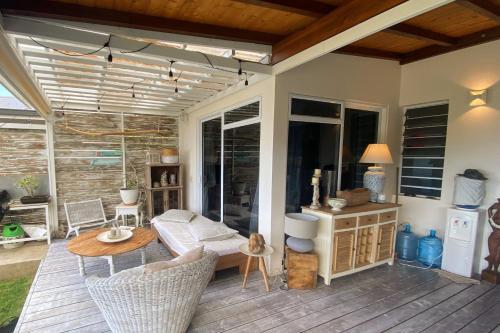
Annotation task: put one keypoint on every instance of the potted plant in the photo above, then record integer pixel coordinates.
(130, 194)
(30, 184)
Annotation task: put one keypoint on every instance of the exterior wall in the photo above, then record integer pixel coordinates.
(23, 152)
(78, 179)
(473, 132)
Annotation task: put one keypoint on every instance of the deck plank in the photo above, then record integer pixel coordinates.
(415, 320)
(394, 298)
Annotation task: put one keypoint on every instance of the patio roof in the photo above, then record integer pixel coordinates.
(72, 68)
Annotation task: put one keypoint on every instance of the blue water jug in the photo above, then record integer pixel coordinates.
(430, 250)
(406, 244)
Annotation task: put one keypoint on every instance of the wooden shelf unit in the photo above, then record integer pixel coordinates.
(354, 239)
(160, 199)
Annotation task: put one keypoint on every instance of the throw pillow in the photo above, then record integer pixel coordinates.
(211, 231)
(186, 258)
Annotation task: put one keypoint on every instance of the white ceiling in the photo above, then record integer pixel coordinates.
(132, 81)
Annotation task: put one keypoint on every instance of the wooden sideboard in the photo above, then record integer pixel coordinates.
(355, 238)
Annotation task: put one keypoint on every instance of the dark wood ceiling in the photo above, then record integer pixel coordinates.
(289, 25)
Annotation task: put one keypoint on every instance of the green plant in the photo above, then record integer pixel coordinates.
(29, 184)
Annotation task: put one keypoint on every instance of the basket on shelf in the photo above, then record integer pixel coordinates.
(356, 197)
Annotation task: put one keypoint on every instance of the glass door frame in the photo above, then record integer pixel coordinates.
(347, 104)
(241, 123)
(321, 120)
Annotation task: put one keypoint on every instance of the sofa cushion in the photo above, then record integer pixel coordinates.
(211, 231)
(188, 257)
(176, 215)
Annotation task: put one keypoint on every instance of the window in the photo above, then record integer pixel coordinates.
(360, 129)
(242, 113)
(313, 142)
(424, 141)
(315, 108)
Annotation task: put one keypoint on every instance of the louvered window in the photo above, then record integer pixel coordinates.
(424, 141)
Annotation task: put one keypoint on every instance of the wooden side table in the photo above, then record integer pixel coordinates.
(123, 210)
(262, 265)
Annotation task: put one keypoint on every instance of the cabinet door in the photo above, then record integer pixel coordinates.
(343, 251)
(385, 244)
(365, 246)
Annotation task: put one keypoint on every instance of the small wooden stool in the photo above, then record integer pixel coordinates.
(262, 266)
(302, 269)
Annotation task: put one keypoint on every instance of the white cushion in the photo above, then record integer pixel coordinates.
(211, 231)
(188, 257)
(176, 215)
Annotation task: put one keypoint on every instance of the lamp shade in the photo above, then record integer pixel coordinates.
(301, 225)
(377, 153)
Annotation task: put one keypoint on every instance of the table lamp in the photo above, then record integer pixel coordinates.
(302, 229)
(374, 178)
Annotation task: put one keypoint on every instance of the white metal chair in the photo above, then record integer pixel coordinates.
(85, 214)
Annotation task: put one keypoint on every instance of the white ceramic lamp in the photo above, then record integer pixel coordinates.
(301, 228)
(374, 178)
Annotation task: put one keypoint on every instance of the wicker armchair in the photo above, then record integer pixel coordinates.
(163, 301)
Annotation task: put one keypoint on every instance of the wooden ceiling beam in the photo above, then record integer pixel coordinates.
(309, 8)
(464, 42)
(483, 7)
(406, 30)
(368, 52)
(73, 12)
(341, 19)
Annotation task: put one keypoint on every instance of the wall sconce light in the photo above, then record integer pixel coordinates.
(477, 97)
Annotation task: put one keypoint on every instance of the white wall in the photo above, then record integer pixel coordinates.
(473, 133)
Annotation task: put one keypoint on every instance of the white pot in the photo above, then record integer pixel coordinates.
(170, 159)
(129, 197)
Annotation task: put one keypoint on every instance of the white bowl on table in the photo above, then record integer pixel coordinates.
(337, 204)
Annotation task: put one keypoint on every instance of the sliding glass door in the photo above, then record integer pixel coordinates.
(241, 178)
(230, 171)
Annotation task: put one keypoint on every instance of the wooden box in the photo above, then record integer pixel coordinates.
(302, 269)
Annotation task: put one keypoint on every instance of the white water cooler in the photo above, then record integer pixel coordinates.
(462, 241)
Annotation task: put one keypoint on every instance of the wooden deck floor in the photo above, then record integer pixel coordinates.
(384, 299)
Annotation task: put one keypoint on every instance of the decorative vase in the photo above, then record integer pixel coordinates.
(173, 179)
(169, 156)
(129, 197)
(374, 180)
(164, 179)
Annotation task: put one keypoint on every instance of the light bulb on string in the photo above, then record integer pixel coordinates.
(246, 79)
(170, 72)
(240, 71)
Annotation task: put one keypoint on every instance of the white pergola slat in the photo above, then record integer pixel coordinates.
(90, 81)
(27, 27)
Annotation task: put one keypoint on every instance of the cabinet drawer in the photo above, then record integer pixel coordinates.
(368, 220)
(388, 216)
(345, 223)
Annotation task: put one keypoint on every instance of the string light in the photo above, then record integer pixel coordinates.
(110, 55)
(246, 79)
(176, 90)
(133, 91)
(240, 71)
(170, 73)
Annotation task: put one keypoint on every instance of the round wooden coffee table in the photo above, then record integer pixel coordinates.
(87, 245)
